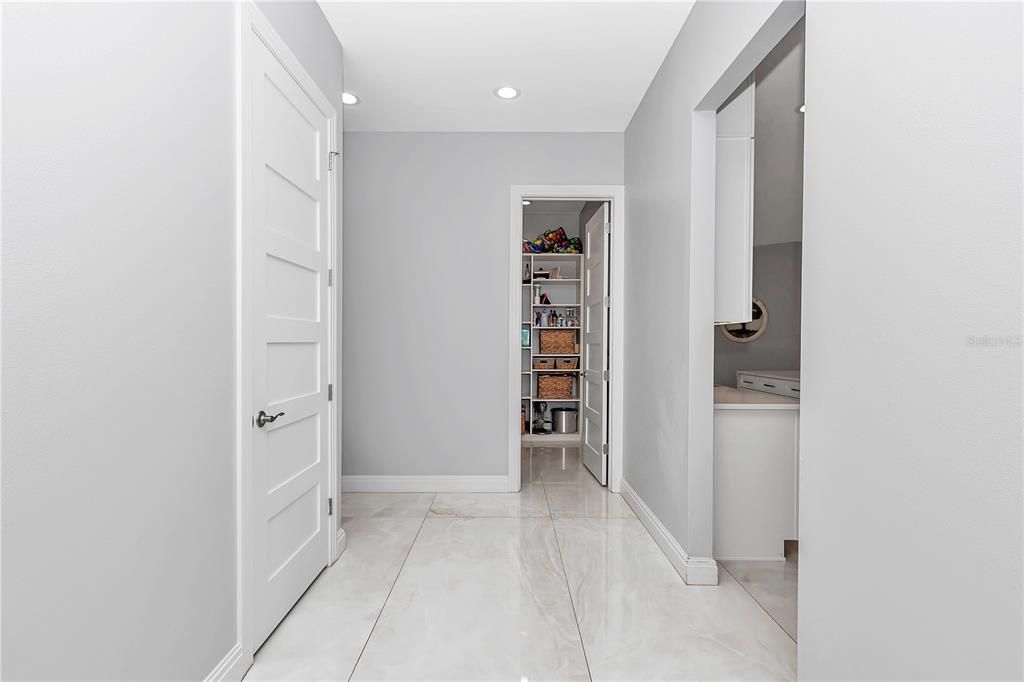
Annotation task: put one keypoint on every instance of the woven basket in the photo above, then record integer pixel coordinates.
(554, 386)
(566, 363)
(544, 363)
(558, 341)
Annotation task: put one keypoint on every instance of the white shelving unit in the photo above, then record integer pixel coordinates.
(566, 294)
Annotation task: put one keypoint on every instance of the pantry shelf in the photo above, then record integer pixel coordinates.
(564, 280)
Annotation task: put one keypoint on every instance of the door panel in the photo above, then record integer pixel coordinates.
(595, 347)
(290, 362)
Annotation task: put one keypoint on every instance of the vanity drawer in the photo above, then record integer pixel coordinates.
(746, 381)
(791, 389)
(754, 382)
(771, 385)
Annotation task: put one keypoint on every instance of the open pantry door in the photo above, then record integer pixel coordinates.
(595, 345)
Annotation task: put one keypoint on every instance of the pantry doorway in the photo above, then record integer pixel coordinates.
(566, 310)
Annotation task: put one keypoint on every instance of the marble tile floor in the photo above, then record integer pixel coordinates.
(558, 582)
(772, 584)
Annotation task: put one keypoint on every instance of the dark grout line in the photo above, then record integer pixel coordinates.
(565, 576)
(751, 595)
(401, 568)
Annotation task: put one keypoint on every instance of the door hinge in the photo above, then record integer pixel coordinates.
(330, 392)
(330, 159)
(330, 506)
(330, 277)
(604, 448)
(607, 301)
(607, 228)
(606, 374)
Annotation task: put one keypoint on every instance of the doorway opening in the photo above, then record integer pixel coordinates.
(565, 302)
(759, 234)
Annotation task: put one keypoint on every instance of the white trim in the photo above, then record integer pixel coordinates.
(340, 539)
(693, 570)
(250, 19)
(701, 273)
(334, 340)
(243, 340)
(425, 484)
(779, 559)
(616, 195)
(230, 667)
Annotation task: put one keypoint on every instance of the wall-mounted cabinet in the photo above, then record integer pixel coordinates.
(734, 207)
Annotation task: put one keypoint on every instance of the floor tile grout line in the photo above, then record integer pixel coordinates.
(398, 575)
(565, 576)
(760, 605)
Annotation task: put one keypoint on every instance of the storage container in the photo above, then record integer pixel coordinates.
(544, 363)
(564, 419)
(554, 386)
(567, 363)
(557, 341)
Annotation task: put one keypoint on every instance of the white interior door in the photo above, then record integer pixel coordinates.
(595, 346)
(290, 214)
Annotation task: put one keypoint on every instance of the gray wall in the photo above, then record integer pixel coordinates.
(658, 265)
(778, 213)
(426, 290)
(910, 510)
(777, 283)
(118, 340)
(779, 142)
(535, 224)
(303, 26)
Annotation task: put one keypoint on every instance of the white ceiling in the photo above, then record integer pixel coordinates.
(430, 66)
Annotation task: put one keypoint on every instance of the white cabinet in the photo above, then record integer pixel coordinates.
(780, 382)
(756, 460)
(734, 207)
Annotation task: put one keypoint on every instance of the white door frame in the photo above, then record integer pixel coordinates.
(701, 272)
(616, 195)
(251, 21)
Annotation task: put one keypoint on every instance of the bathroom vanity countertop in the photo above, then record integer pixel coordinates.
(729, 398)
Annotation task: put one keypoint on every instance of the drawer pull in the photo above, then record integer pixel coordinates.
(769, 385)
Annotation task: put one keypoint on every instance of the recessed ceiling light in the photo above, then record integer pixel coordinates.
(349, 98)
(507, 92)
(526, 202)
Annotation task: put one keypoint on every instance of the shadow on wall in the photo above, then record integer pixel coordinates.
(777, 284)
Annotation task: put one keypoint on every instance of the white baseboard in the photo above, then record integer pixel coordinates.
(693, 570)
(777, 559)
(231, 667)
(341, 544)
(424, 484)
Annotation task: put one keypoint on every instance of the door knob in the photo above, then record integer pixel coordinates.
(263, 418)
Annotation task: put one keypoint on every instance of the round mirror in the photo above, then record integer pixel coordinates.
(745, 332)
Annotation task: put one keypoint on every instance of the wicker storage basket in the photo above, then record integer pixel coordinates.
(544, 363)
(566, 363)
(558, 341)
(554, 386)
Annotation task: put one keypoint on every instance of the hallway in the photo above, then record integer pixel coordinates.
(560, 581)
